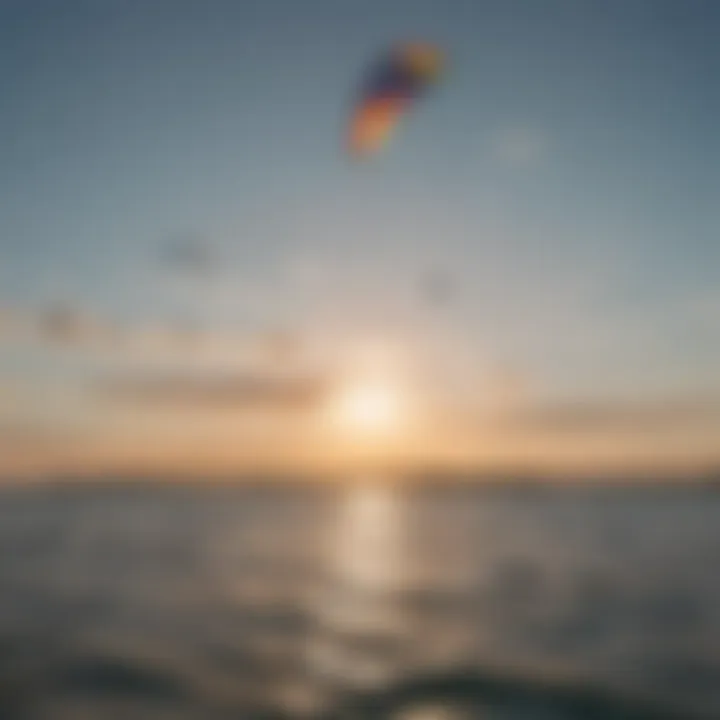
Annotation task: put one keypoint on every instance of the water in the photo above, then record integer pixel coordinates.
(181, 602)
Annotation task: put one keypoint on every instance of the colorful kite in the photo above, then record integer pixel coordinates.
(392, 87)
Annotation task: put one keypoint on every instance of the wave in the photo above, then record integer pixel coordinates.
(489, 696)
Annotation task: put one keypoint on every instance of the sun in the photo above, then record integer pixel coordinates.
(368, 408)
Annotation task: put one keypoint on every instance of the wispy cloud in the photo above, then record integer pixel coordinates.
(628, 416)
(31, 435)
(215, 391)
(62, 326)
(191, 254)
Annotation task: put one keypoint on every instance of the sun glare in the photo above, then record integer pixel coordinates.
(368, 408)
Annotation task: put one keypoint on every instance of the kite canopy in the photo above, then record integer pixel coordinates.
(391, 88)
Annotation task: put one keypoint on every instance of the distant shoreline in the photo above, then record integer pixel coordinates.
(434, 480)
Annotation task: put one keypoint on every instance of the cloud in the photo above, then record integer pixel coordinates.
(280, 346)
(64, 325)
(216, 391)
(72, 328)
(191, 254)
(30, 435)
(60, 325)
(639, 416)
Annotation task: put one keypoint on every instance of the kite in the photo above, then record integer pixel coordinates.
(390, 90)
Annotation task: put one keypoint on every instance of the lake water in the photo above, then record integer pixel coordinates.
(159, 602)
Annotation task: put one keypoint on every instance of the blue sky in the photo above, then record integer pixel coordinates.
(565, 173)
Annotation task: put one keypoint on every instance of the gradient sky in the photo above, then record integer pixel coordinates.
(565, 176)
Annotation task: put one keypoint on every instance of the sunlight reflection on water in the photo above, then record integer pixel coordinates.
(359, 624)
(217, 603)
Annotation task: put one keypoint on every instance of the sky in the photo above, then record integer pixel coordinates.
(190, 265)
